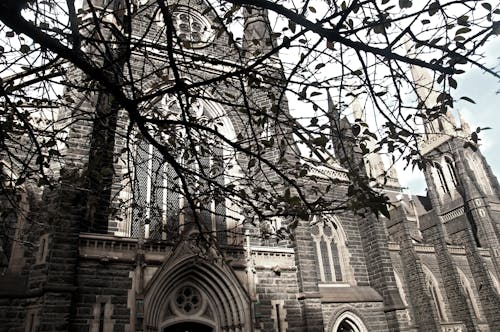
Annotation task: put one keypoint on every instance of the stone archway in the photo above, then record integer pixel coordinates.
(346, 319)
(190, 291)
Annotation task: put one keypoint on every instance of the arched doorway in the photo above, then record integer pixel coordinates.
(347, 322)
(188, 327)
(191, 294)
(347, 325)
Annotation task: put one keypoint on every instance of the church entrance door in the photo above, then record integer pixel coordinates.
(188, 327)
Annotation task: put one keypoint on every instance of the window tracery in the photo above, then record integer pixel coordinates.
(188, 300)
(192, 28)
(451, 171)
(437, 299)
(159, 197)
(331, 251)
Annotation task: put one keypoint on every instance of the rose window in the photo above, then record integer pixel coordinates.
(188, 300)
(193, 29)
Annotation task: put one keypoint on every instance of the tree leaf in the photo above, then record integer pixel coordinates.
(24, 49)
(462, 30)
(405, 4)
(487, 6)
(434, 7)
(452, 82)
(468, 99)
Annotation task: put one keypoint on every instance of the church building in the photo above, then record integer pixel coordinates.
(434, 265)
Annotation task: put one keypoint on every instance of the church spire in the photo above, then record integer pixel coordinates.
(375, 167)
(464, 125)
(428, 97)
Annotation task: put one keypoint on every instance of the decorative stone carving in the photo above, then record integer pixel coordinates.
(187, 300)
(192, 28)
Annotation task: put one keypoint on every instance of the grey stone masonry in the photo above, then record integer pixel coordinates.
(425, 315)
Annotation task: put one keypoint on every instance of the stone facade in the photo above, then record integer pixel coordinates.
(433, 266)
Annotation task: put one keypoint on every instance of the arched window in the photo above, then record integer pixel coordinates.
(433, 288)
(159, 195)
(442, 180)
(476, 165)
(469, 293)
(331, 250)
(349, 322)
(451, 171)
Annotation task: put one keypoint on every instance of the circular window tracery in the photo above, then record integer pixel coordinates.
(188, 300)
(193, 29)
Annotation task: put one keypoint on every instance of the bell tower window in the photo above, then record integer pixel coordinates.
(442, 180)
(452, 171)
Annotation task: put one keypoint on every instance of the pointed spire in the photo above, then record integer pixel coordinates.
(428, 96)
(464, 125)
(374, 164)
(340, 127)
(357, 110)
(331, 107)
(257, 35)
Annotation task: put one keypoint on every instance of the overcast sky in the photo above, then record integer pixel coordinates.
(485, 91)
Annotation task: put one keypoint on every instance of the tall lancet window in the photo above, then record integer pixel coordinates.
(469, 293)
(443, 185)
(157, 198)
(451, 171)
(161, 206)
(480, 176)
(437, 299)
(331, 251)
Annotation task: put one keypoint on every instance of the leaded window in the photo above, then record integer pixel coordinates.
(331, 251)
(161, 208)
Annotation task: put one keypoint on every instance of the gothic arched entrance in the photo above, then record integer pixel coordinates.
(191, 292)
(188, 327)
(346, 321)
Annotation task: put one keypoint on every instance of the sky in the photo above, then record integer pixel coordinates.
(484, 89)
